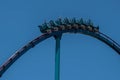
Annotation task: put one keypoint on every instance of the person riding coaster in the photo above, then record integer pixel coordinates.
(68, 24)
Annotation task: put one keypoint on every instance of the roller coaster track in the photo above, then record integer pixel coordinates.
(98, 35)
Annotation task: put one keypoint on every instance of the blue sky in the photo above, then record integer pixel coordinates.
(82, 57)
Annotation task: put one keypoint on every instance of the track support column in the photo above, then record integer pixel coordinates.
(57, 57)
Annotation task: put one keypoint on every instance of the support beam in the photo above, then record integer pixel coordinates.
(57, 57)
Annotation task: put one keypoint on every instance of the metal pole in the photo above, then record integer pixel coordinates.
(57, 58)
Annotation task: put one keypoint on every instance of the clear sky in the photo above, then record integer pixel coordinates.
(82, 57)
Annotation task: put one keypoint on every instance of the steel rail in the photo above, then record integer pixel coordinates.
(98, 35)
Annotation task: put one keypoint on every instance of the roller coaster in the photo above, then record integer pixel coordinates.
(56, 29)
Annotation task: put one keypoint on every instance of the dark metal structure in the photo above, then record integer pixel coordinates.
(56, 29)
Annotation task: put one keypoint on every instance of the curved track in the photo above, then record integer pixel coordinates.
(100, 36)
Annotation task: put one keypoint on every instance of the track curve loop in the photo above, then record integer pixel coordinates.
(47, 33)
